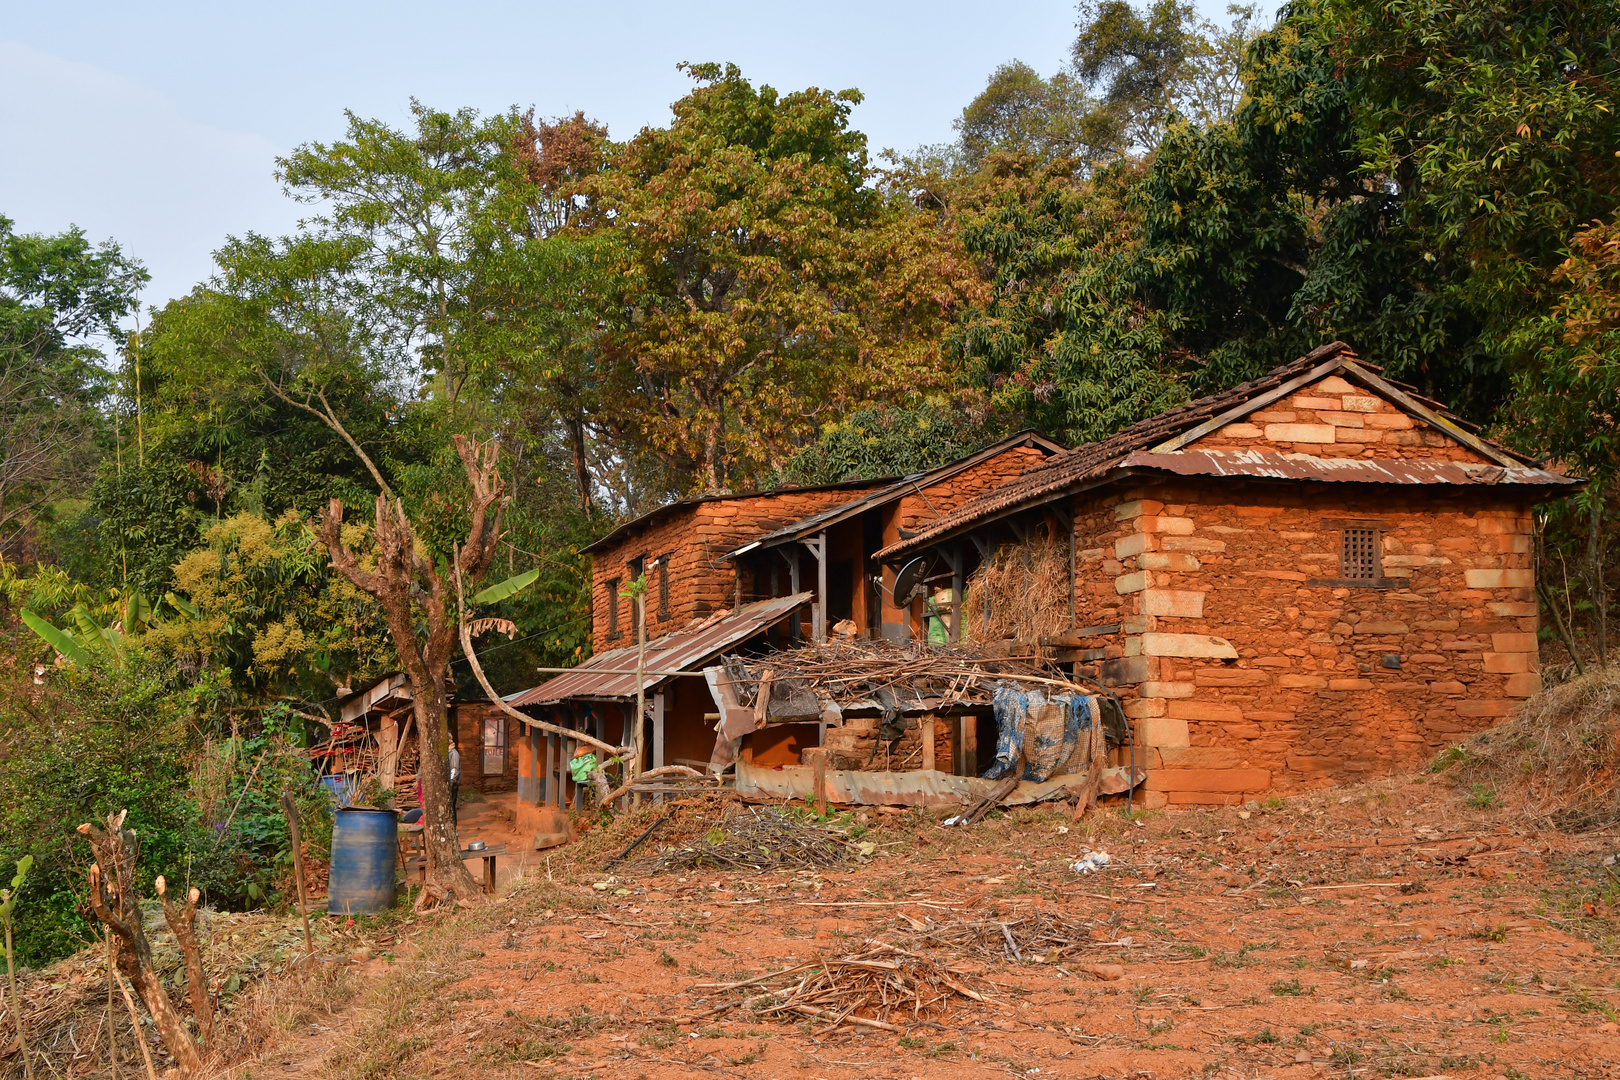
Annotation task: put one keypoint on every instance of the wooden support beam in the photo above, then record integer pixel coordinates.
(928, 743)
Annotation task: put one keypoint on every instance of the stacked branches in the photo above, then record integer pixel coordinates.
(756, 840)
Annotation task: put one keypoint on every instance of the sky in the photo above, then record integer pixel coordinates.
(158, 125)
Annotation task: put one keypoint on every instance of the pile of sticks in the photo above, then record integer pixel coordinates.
(879, 987)
(750, 838)
(1038, 936)
(846, 672)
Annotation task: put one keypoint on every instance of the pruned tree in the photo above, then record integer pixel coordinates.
(420, 607)
(116, 904)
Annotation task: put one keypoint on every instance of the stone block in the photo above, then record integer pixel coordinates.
(1168, 560)
(1274, 416)
(1390, 421)
(1192, 645)
(1524, 684)
(1151, 800)
(1210, 711)
(1497, 526)
(1203, 798)
(1130, 583)
(1162, 731)
(1316, 404)
(1144, 707)
(1176, 603)
(1132, 545)
(1369, 626)
(1416, 560)
(1213, 780)
(1159, 523)
(1312, 763)
(1499, 579)
(1512, 609)
(1512, 663)
(1136, 508)
(1438, 624)
(1361, 403)
(1302, 682)
(1200, 757)
(1519, 643)
(1237, 431)
(1300, 433)
(1448, 687)
(1129, 670)
(1225, 676)
(1349, 420)
(1333, 384)
(1350, 684)
(1168, 689)
(1192, 543)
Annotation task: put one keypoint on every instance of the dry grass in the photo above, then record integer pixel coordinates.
(1557, 758)
(1028, 586)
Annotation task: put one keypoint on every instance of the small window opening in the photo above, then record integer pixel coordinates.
(1358, 555)
(613, 631)
(494, 745)
(664, 609)
(636, 567)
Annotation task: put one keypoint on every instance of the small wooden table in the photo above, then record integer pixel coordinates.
(488, 854)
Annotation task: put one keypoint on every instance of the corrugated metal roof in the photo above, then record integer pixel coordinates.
(1089, 464)
(684, 650)
(1266, 464)
(823, 519)
(646, 520)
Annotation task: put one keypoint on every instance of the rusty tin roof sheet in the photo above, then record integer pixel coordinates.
(684, 650)
(1266, 464)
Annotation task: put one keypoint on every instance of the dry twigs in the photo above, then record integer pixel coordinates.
(750, 839)
(873, 988)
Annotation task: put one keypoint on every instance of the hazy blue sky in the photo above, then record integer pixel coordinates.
(158, 124)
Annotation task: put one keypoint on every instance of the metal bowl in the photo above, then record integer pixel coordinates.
(477, 845)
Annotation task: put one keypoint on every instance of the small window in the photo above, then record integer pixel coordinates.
(494, 745)
(636, 567)
(613, 631)
(1358, 555)
(664, 610)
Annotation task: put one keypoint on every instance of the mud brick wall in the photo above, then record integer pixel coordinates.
(469, 734)
(851, 745)
(694, 537)
(1244, 675)
(914, 510)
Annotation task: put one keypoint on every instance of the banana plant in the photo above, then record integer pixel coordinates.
(8, 905)
(510, 587)
(92, 637)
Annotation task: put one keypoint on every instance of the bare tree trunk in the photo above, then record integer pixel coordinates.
(113, 899)
(412, 591)
(183, 922)
(582, 472)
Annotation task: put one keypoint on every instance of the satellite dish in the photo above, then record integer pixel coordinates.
(909, 580)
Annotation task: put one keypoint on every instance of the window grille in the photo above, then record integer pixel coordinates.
(1358, 555)
(614, 633)
(664, 609)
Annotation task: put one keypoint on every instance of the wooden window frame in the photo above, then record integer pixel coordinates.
(614, 631)
(1378, 581)
(665, 611)
(501, 744)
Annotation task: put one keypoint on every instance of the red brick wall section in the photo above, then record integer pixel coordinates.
(695, 537)
(1242, 677)
(470, 741)
(915, 511)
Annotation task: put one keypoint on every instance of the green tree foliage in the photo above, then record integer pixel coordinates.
(873, 443)
(753, 262)
(58, 296)
(1065, 343)
(1047, 120)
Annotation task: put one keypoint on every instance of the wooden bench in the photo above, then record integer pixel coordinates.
(489, 855)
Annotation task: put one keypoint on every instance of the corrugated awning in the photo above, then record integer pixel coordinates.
(603, 677)
(1270, 465)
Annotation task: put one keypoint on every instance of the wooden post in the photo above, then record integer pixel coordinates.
(958, 587)
(821, 588)
(793, 586)
(658, 759)
(928, 743)
(821, 781)
(298, 867)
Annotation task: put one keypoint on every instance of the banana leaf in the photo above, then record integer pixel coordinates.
(57, 639)
(511, 586)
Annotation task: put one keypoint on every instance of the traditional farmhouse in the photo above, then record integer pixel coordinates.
(740, 573)
(1309, 578)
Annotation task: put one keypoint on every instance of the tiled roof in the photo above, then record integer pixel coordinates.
(1084, 464)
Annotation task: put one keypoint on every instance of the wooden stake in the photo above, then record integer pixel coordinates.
(135, 1019)
(112, 1035)
(298, 867)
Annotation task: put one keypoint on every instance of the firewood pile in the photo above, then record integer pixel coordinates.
(885, 674)
(882, 986)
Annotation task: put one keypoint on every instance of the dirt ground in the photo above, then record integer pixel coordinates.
(1394, 929)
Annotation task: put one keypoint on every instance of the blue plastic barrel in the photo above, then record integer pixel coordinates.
(365, 846)
(338, 788)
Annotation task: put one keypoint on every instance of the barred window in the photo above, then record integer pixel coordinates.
(664, 609)
(613, 631)
(1358, 555)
